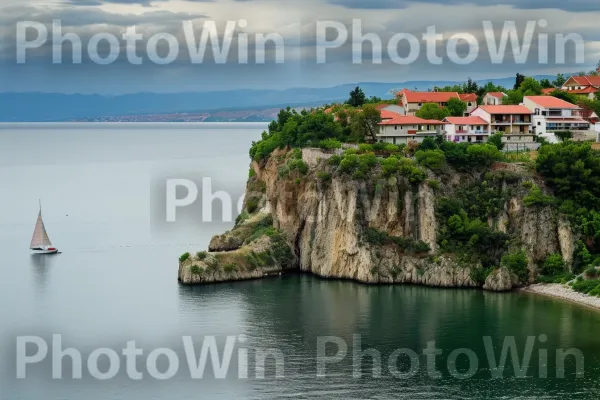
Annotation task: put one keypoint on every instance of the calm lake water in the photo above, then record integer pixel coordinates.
(102, 188)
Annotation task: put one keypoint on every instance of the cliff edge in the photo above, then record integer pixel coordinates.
(391, 221)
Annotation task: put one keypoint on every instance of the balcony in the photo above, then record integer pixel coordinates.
(471, 132)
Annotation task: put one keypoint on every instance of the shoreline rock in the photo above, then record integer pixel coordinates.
(563, 292)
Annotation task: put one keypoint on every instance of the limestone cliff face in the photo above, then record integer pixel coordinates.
(328, 221)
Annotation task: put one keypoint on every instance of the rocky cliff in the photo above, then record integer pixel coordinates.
(382, 229)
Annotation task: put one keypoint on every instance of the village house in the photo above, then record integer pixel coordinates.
(584, 86)
(413, 101)
(470, 100)
(551, 114)
(466, 129)
(402, 129)
(515, 122)
(493, 98)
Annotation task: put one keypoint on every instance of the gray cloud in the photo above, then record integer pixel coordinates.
(9, 16)
(141, 2)
(572, 5)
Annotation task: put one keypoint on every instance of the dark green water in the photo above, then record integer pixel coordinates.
(116, 282)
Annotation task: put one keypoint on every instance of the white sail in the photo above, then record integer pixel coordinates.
(40, 237)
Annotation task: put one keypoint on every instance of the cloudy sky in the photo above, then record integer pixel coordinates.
(296, 22)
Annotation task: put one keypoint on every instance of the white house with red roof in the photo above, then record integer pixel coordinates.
(466, 129)
(413, 101)
(586, 86)
(551, 114)
(403, 129)
(470, 99)
(493, 98)
(515, 122)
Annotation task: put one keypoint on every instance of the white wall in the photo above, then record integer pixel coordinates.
(482, 114)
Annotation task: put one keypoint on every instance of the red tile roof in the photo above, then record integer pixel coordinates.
(386, 114)
(401, 92)
(430, 97)
(409, 120)
(587, 90)
(468, 97)
(548, 91)
(506, 109)
(588, 80)
(498, 95)
(551, 102)
(466, 121)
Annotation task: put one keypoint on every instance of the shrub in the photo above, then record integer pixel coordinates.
(434, 184)
(323, 176)
(496, 140)
(432, 159)
(229, 268)
(335, 160)
(330, 144)
(241, 218)
(201, 255)
(591, 273)
(554, 265)
(365, 148)
(537, 198)
(196, 270)
(517, 263)
(564, 135)
(252, 204)
(251, 173)
(184, 257)
(586, 286)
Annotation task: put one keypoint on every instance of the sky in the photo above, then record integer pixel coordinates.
(297, 22)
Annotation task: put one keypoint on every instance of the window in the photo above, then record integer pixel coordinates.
(420, 104)
(539, 123)
(395, 127)
(470, 104)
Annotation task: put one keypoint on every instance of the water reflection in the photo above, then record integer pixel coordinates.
(41, 265)
(291, 312)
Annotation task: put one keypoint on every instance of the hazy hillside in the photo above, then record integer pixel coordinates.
(40, 107)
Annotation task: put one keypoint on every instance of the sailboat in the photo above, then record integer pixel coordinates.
(40, 242)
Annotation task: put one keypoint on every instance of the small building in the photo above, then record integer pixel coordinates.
(515, 122)
(413, 101)
(583, 86)
(471, 100)
(466, 129)
(551, 114)
(402, 129)
(493, 98)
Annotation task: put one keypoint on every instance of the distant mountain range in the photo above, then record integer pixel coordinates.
(230, 105)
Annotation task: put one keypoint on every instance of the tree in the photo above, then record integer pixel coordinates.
(432, 111)
(456, 107)
(513, 97)
(564, 135)
(559, 81)
(365, 123)
(564, 95)
(530, 87)
(357, 97)
(546, 84)
(520, 78)
(496, 140)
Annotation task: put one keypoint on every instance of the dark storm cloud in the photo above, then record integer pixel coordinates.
(572, 5)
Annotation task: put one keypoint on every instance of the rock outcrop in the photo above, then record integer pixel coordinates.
(501, 280)
(373, 231)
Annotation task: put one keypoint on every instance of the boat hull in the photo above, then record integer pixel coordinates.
(42, 251)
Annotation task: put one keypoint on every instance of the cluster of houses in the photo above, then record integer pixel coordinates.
(520, 124)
